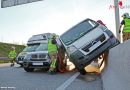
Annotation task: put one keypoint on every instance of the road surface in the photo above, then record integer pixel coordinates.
(15, 78)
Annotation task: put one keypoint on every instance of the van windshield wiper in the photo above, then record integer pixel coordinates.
(80, 35)
(69, 42)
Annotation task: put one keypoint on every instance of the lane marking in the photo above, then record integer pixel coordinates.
(68, 82)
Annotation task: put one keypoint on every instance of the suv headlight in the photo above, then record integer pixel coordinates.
(71, 49)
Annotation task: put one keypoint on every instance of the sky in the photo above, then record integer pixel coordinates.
(19, 23)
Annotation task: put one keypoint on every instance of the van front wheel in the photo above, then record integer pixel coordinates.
(82, 71)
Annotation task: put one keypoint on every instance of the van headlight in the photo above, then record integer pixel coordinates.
(104, 28)
(71, 49)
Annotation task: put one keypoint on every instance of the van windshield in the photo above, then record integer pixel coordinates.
(31, 48)
(78, 31)
(42, 47)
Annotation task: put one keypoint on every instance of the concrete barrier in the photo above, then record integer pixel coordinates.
(116, 75)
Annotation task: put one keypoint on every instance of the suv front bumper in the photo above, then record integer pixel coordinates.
(36, 64)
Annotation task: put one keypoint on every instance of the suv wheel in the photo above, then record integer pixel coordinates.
(28, 69)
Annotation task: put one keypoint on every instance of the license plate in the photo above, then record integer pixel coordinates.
(37, 63)
(20, 61)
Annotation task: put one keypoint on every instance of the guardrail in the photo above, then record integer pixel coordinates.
(5, 59)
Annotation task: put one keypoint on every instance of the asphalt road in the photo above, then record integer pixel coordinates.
(15, 78)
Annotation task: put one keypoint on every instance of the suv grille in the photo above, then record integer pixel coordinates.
(42, 56)
(100, 38)
(34, 56)
(38, 57)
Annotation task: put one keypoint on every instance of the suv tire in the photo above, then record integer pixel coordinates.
(28, 69)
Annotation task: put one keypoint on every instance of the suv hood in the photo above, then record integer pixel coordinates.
(23, 53)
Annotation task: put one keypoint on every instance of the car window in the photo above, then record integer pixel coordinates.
(31, 48)
(78, 31)
(42, 47)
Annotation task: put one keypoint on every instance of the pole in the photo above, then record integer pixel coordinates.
(117, 19)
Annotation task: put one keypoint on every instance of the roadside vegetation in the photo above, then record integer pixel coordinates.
(6, 47)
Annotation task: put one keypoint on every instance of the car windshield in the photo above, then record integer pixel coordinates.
(31, 48)
(42, 47)
(78, 31)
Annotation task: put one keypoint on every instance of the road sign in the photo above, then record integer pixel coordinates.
(9, 3)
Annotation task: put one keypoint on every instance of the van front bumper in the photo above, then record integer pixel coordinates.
(80, 60)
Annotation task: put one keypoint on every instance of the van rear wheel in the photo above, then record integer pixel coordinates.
(28, 69)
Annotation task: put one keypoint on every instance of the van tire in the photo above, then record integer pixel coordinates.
(28, 69)
(82, 71)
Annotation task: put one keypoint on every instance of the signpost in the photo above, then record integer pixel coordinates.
(9, 3)
(117, 18)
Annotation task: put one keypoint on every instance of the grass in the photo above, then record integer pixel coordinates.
(5, 61)
(5, 49)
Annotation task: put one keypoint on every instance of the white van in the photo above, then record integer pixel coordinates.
(86, 41)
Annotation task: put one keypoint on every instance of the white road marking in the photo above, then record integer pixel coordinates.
(68, 82)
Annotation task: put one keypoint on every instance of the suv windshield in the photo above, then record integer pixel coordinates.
(78, 31)
(31, 48)
(42, 47)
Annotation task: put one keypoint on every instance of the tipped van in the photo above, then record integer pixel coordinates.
(86, 41)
